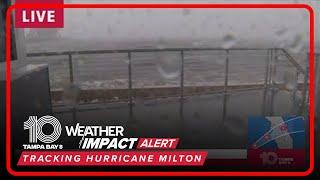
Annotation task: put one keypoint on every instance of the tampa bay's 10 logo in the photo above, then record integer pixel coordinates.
(35, 127)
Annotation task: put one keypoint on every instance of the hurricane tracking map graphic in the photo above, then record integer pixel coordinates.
(276, 132)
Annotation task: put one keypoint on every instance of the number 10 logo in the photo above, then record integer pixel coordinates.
(36, 132)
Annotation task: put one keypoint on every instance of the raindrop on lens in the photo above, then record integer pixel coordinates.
(297, 44)
(289, 79)
(126, 60)
(160, 46)
(167, 65)
(89, 13)
(109, 30)
(253, 26)
(161, 43)
(186, 12)
(196, 44)
(281, 35)
(228, 41)
(282, 32)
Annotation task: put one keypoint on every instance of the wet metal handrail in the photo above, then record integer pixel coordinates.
(129, 51)
(269, 82)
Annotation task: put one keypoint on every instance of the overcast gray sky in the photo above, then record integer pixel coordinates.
(286, 28)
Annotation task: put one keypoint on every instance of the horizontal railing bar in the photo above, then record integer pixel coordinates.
(135, 50)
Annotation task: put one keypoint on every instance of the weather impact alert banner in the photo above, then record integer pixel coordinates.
(101, 138)
(272, 141)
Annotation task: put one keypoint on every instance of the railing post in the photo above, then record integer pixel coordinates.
(305, 84)
(181, 85)
(182, 75)
(226, 82)
(71, 79)
(294, 93)
(70, 68)
(271, 79)
(181, 123)
(266, 84)
(130, 87)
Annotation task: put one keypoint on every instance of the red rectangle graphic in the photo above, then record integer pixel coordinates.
(39, 17)
(225, 173)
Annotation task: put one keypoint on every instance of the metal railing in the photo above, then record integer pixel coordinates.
(269, 82)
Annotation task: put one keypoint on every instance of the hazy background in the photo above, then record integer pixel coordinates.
(93, 29)
(132, 28)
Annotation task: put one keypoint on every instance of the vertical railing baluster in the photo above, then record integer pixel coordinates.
(181, 127)
(130, 87)
(305, 87)
(70, 68)
(182, 75)
(294, 93)
(226, 82)
(272, 79)
(266, 85)
(181, 94)
(71, 81)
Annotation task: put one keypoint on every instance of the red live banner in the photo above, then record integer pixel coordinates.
(112, 158)
(39, 17)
